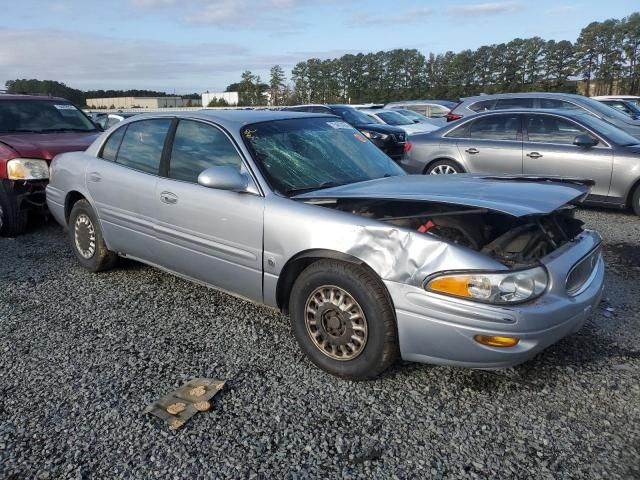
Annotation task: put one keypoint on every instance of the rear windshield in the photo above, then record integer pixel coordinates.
(353, 116)
(42, 116)
(308, 154)
(394, 118)
(613, 133)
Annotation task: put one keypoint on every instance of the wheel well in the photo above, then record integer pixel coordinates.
(426, 167)
(631, 192)
(70, 201)
(299, 262)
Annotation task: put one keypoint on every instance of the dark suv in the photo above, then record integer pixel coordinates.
(391, 140)
(34, 129)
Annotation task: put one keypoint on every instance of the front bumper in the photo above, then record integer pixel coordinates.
(440, 330)
(28, 194)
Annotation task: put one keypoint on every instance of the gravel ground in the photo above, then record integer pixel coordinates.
(81, 355)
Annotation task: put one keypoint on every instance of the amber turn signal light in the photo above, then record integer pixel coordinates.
(496, 341)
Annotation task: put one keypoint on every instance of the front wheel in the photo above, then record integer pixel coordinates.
(635, 201)
(444, 167)
(343, 321)
(86, 239)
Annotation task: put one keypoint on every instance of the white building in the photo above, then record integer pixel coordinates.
(230, 97)
(140, 102)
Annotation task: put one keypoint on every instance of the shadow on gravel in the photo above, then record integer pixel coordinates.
(625, 211)
(622, 255)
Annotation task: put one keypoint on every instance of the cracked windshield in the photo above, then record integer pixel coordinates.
(308, 154)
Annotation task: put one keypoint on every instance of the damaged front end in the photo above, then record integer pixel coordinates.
(515, 221)
(514, 241)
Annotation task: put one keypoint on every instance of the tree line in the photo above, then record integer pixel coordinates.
(605, 57)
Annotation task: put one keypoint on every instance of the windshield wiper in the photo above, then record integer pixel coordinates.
(296, 191)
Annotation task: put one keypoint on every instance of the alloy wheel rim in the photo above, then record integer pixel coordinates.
(443, 170)
(85, 236)
(336, 323)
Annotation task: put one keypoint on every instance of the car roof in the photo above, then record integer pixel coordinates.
(616, 97)
(232, 119)
(375, 111)
(534, 111)
(525, 95)
(443, 103)
(12, 96)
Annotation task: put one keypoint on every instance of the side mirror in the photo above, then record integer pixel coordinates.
(585, 141)
(224, 178)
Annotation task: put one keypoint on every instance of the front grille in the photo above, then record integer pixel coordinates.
(581, 272)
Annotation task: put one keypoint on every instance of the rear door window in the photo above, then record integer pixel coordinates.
(551, 129)
(438, 112)
(496, 127)
(482, 106)
(142, 145)
(509, 103)
(111, 146)
(198, 146)
(460, 132)
(552, 103)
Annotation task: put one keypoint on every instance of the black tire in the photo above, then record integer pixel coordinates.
(443, 164)
(13, 220)
(380, 347)
(635, 201)
(89, 249)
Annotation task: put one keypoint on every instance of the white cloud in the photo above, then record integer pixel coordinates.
(152, 3)
(232, 14)
(414, 15)
(90, 61)
(488, 8)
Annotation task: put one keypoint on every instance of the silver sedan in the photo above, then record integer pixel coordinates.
(304, 214)
(536, 142)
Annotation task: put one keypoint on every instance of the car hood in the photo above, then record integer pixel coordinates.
(516, 195)
(48, 145)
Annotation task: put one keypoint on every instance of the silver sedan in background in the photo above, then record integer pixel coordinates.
(546, 101)
(396, 119)
(536, 142)
(302, 213)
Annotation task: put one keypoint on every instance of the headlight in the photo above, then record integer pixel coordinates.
(499, 288)
(374, 135)
(27, 169)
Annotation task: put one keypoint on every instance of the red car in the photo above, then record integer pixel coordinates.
(33, 130)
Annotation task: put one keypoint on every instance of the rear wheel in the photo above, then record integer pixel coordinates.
(444, 167)
(13, 220)
(343, 321)
(86, 239)
(635, 201)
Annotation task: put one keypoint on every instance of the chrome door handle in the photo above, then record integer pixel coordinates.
(472, 151)
(169, 198)
(534, 155)
(95, 177)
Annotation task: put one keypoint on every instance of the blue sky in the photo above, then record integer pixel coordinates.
(196, 45)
